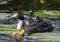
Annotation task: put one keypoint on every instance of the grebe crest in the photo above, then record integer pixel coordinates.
(18, 15)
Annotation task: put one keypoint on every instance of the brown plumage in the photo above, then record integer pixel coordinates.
(19, 15)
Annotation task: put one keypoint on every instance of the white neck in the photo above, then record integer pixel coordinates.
(19, 25)
(27, 22)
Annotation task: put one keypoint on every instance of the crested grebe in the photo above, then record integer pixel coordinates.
(19, 16)
(20, 30)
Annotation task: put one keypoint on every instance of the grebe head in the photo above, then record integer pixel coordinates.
(18, 15)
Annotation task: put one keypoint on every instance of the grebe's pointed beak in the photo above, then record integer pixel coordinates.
(14, 16)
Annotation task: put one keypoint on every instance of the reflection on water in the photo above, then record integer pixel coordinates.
(8, 38)
(56, 24)
(5, 38)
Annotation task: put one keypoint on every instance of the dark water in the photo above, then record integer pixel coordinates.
(8, 38)
(5, 38)
(56, 24)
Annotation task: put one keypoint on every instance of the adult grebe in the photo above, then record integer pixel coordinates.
(19, 16)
